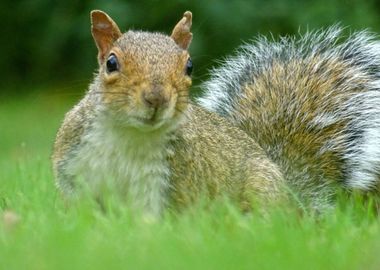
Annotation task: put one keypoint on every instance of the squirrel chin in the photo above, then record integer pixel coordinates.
(152, 125)
(145, 124)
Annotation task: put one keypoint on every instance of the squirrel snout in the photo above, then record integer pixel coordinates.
(154, 98)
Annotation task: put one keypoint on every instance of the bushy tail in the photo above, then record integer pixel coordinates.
(313, 104)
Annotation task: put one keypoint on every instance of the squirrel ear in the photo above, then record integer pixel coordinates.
(181, 32)
(104, 31)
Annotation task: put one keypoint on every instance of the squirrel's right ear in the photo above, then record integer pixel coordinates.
(181, 32)
(104, 31)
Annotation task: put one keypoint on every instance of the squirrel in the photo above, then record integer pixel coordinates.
(312, 103)
(136, 130)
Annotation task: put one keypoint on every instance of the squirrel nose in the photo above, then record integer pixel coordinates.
(154, 98)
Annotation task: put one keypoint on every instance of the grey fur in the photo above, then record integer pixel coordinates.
(357, 144)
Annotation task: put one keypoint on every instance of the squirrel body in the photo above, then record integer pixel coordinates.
(312, 104)
(136, 131)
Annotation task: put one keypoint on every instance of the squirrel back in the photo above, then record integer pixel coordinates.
(313, 105)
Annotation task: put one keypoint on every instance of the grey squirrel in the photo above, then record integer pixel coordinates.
(137, 133)
(298, 115)
(312, 103)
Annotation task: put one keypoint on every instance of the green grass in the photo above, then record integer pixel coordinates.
(49, 236)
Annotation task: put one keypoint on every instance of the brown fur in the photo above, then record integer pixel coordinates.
(200, 166)
(278, 110)
(206, 155)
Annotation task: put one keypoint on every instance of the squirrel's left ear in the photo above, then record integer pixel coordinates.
(105, 32)
(181, 32)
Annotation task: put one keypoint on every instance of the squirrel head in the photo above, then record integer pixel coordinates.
(143, 77)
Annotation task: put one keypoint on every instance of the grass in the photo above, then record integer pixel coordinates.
(49, 236)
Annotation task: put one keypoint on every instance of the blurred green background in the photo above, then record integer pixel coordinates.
(47, 44)
(47, 59)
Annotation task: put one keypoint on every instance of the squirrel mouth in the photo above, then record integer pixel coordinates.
(152, 119)
(147, 124)
(149, 121)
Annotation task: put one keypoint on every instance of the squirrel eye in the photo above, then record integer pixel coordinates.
(112, 64)
(189, 67)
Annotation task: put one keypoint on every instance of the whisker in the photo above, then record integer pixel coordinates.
(111, 92)
(182, 113)
(116, 102)
(183, 94)
(183, 100)
(124, 76)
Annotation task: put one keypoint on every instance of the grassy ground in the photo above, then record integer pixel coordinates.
(48, 236)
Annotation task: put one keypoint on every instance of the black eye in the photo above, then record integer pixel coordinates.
(189, 67)
(112, 63)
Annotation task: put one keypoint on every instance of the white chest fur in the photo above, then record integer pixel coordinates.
(130, 161)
